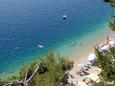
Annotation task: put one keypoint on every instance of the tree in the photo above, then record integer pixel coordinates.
(107, 64)
(55, 72)
(64, 79)
(1, 82)
(111, 2)
(42, 68)
(112, 25)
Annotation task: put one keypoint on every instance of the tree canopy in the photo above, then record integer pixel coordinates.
(107, 63)
(112, 25)
(111, 2)
(56, 68)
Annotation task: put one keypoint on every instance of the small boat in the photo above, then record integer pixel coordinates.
(40, 46)
(64, 17)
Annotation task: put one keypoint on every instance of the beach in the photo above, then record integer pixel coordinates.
(85, 53)
(93, 71)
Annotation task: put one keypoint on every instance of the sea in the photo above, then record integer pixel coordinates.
(30, 29)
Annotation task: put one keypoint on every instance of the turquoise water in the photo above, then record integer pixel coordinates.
(87, 41)
(26, 23)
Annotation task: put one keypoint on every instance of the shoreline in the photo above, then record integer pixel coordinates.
(83, 55)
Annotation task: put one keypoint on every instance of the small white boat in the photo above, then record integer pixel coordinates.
(40, 46)
(64, 16)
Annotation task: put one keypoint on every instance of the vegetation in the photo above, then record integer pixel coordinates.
(112, 25)
(51, 72)
(106, 61)
(111, 2)
(1, 82)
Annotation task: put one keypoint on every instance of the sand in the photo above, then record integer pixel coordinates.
(83, 55)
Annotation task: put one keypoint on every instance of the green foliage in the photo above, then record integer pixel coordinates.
(65, 64)
(1, 82)
(29, 67)
(64, 79)
(53, 69)
(42, 68)
(23, 72)
(112, 25)
(13, 78)
(54, 74)
(107, 64)
(111, 2)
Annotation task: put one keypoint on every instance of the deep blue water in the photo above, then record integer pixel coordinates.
(26, 23)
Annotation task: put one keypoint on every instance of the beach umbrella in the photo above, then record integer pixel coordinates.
(80, 83)
(93, 76)
(69, 80)
(111, 42)
(88, 62)
(83, 66)
(80, 65)
(72, 73)
(105, 47)
(91, 57)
